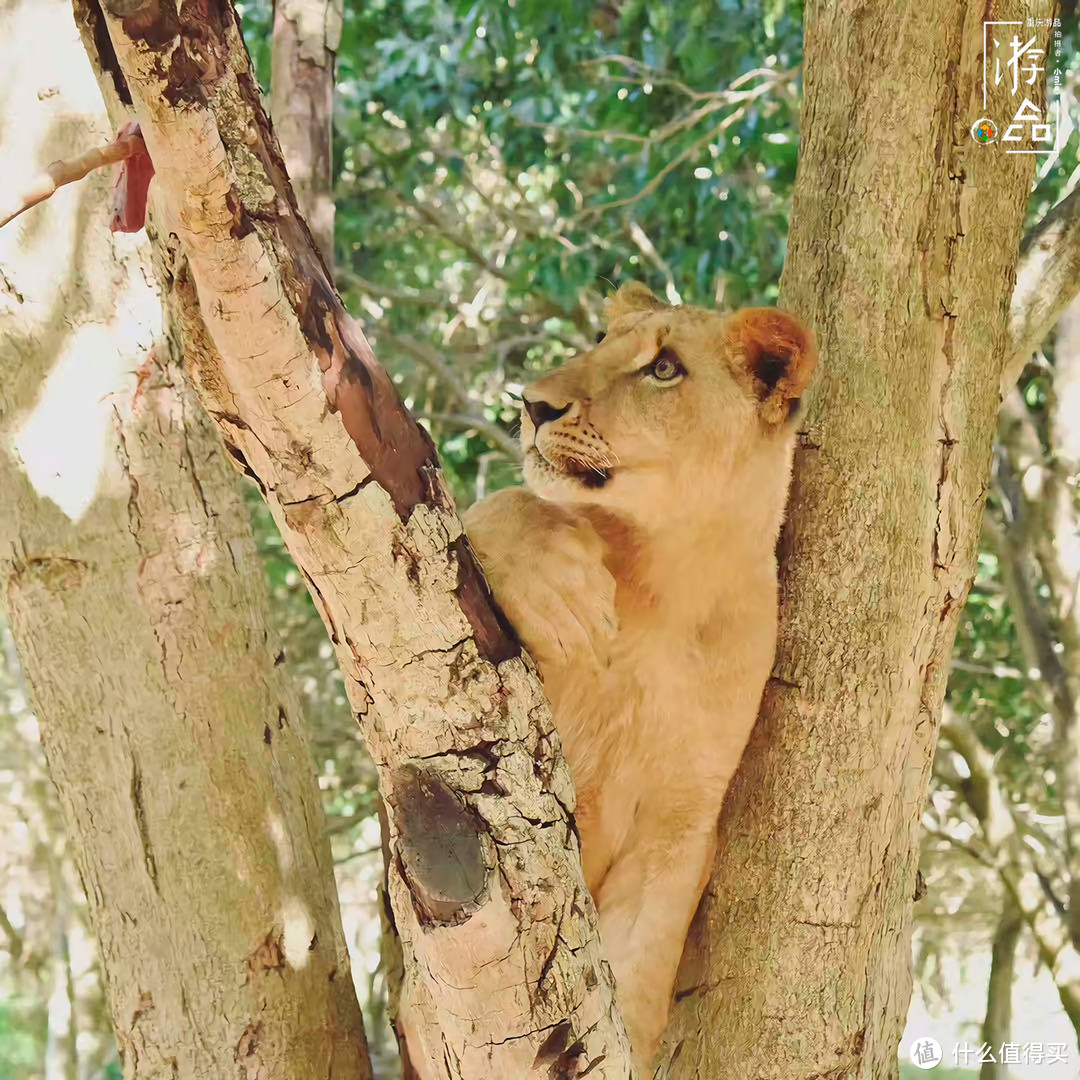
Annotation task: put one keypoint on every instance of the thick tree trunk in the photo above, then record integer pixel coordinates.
(902, 253)
(499, 933)
(137, 605)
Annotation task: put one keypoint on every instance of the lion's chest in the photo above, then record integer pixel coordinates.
(668, 703)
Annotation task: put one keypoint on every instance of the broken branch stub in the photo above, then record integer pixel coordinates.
(497, 928)
(129, 196)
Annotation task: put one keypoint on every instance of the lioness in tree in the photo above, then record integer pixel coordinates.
(638, 567)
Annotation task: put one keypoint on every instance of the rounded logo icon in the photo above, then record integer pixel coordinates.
(984, 131)
(925, 1053)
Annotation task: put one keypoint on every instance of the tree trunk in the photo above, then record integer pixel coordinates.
(1058, 552)
(1039, 554)
(306, 38)
(499, 933)
(137, 605)
(902, 253)
(997, 1026)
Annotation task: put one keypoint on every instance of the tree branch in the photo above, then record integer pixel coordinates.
(71, 170)
(15, 940)
(1047, 279)
(430, 359)
(1012, 860)
(492, 432)
(304, 48)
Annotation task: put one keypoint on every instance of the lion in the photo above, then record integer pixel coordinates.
(638, 567)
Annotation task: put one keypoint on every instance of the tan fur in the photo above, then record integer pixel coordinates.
(649, 601)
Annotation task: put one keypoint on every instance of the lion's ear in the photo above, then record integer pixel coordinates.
(630, 298)
(776, 354)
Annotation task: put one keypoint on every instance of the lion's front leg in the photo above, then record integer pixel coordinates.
(545, 567)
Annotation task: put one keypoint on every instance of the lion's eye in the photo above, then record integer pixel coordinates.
(666, 366)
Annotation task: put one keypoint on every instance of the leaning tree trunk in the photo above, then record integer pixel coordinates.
(137, 604)
(498, 931)
(902, 252)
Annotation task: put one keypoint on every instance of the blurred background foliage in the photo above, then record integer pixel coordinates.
(499, 167)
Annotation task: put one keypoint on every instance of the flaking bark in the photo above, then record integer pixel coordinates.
(500, 941)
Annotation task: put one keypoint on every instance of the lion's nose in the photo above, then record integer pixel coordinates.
(540, 412)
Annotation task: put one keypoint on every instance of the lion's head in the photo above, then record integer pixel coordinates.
(675, 404)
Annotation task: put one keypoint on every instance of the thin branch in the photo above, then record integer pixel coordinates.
(426, 355)
(694, 148)
(15, 940)
(70, 170)
(360, 853)
(606, 134)
(430, 359)
(470, 421)
(1011, 860)
(648, 249)
(722, 98)
(1047, 279)
(336, 826)
(458, 240)
(981, 790)
(406, 295)
(981, 857)
(645, 74)
(996, 671)
(714, 101)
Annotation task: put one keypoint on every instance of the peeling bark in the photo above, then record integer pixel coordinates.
(504, 951)
(903, 246)
(137, 604)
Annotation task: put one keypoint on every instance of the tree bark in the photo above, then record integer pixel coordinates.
(1058, 552)
(498, 930)
(902, 252)
(306, 38)
(1047, 279)
(997, 1026)
(137, 605)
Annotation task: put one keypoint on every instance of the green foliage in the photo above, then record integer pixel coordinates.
(524, 90)
(23, 1024)
(990, 685)
(503, 165)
